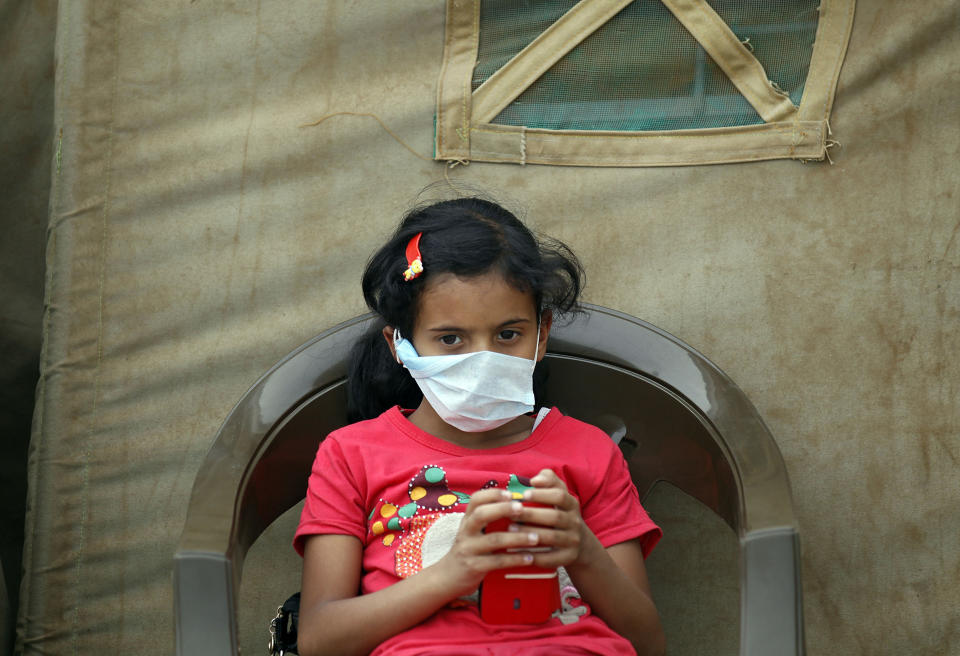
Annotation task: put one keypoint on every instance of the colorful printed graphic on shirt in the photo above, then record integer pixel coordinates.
(423, 529)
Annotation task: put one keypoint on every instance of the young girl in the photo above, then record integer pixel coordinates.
(392, 532)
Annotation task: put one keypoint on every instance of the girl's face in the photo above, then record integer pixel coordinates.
(482, 313)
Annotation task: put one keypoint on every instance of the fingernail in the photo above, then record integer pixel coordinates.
(504, 494)
(527, 494)
(513, 528)
(533, 538)
(516, 506)
(528, 558)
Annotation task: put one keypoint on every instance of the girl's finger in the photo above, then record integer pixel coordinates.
(552, 517)
(501, 540)
(555, 539)
(491, 544)
(478, 516)
(490, 495)
(554, 497)
(547, 478)
(502, 560)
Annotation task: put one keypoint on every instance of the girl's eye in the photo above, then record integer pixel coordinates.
(508, 335)
(450, 340)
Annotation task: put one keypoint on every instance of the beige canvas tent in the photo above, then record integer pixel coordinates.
(216, 174)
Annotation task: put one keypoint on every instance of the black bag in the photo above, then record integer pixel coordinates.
(283, 628)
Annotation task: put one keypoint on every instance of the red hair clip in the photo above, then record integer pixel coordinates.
(414, 259)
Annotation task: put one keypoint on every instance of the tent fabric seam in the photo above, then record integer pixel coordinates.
(833, 35)
(784, 127)
(460, 54)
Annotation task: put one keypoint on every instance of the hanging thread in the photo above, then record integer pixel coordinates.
(523, 145)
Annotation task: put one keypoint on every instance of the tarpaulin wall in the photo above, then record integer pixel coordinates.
(198, 232)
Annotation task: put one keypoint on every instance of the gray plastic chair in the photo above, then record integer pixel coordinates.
(676, 416)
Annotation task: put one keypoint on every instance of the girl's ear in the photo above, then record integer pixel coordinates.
(546, 320)
(388, 336)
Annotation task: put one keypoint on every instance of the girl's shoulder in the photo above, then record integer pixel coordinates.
(367, 430)
(572, 424)
(580, 435)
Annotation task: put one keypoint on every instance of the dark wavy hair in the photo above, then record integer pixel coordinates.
(466, 237)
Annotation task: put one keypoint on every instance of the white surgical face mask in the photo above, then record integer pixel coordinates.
(476, 391)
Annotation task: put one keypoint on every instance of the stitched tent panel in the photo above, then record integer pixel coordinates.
(642, 70)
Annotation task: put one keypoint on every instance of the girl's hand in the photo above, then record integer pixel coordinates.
(612, 580)
(474, 553)
(559, 526)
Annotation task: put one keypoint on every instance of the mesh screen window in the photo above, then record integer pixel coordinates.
(639, 83)
(643, 70)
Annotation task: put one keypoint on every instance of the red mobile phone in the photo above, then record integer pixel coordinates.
(519, 595)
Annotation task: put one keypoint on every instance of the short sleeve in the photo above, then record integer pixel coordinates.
(334, 502)
(614, 513)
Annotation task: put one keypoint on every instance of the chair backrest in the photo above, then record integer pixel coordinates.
(676, 416)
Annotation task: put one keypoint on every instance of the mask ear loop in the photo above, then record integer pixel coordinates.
(536, 350)
(396, 338)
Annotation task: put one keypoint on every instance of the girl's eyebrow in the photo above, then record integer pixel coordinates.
(453, 329)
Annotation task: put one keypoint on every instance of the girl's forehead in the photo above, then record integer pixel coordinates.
(486, 299)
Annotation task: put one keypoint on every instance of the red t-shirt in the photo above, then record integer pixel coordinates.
(402, 492)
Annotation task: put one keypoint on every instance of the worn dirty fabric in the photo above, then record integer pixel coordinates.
(198, 233)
